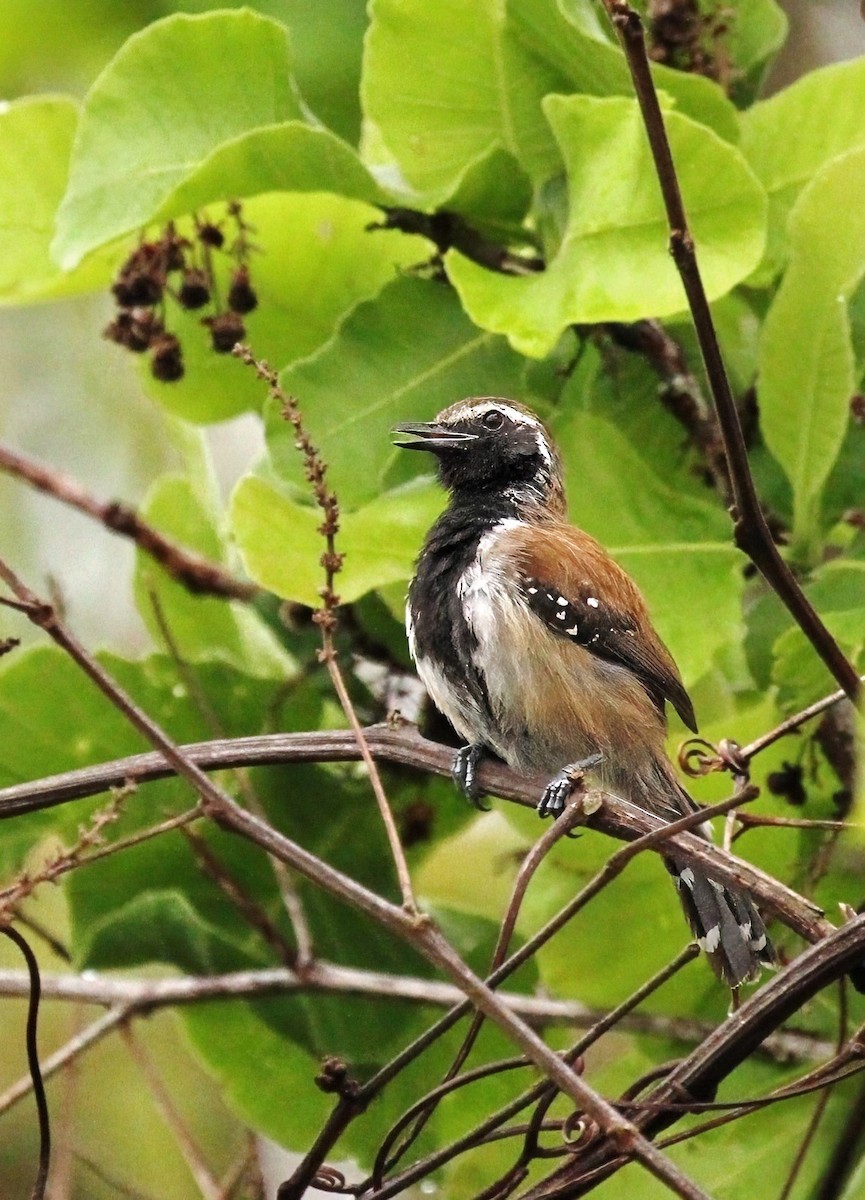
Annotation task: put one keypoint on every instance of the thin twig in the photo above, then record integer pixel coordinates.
(746, 753)
(198, 574)
(36, 1075)
(752, 531)
(325, 617)
(76, 1045)
(205, 1180)
(474, 1137)
(251, 912)
(450, 231)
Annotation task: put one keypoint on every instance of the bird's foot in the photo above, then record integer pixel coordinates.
(465, 772)
(558, 790)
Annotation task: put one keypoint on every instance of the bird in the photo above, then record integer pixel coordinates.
(539, 648)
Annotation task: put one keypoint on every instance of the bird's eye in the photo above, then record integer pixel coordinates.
(493, 419)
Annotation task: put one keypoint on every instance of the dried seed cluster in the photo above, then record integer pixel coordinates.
(182, 270)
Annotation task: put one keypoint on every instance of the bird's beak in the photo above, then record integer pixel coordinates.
(424, 435)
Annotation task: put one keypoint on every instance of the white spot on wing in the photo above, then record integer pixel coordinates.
(593, 602)
(687, 877)
(711, 941)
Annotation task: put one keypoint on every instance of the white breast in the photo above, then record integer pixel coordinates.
(455, 702)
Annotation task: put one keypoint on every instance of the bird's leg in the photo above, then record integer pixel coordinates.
(558, 790)
(465, 772)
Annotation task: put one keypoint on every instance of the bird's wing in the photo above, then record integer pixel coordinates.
(571, 584)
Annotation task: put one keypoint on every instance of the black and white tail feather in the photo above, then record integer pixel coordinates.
(725, 923)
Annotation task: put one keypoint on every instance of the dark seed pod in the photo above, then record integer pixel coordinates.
(211, 235)
(174, 246)
(241, 294)
(195, 290)
(135, 330)
(137, 288)
(118, 329)
(144, 328)
(226, 330)
(166, 360)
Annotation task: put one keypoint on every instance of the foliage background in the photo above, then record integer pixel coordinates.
(364, 343)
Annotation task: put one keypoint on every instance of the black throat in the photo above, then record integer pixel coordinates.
(441, 632)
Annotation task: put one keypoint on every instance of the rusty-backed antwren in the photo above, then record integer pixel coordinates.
(537, 646)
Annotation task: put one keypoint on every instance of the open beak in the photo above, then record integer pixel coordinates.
(425, 435)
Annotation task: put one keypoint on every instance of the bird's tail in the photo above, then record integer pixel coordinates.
(725, 923)
(724, 920)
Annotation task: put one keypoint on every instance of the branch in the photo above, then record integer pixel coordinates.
(147, 995)
(449, 231)
(403, 745)
(198, 574)
(752, 532)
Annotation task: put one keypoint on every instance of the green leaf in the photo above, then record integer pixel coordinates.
(826, 109)
(57, 720)
(327, 46)
(158, 926)
(252, 1062)
(400, 357)
(201, 627)
(35, 144)
(614, 263)
(281, 545)
(471, 88)
(838, 593)
(173, 94)
(292, 157)
(321, 245)
(807, 364)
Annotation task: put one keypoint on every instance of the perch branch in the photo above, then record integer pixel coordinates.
(403, 745)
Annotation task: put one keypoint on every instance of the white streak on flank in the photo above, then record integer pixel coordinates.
(759, 943)
(687, 877)
(745, 931)
(409, 631)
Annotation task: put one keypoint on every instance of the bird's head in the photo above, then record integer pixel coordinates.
(486, 445)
